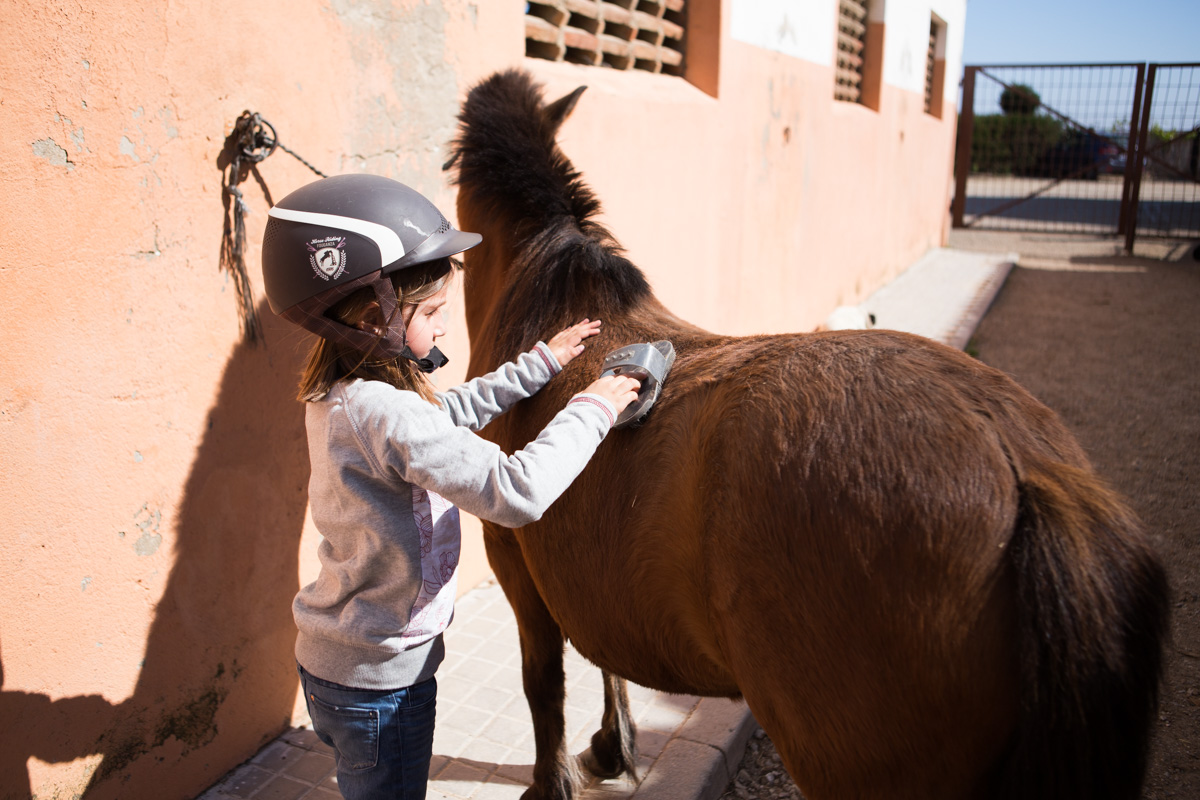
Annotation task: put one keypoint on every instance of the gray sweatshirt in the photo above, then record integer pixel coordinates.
(388, 469)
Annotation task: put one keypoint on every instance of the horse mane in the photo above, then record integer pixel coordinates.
(512, 173)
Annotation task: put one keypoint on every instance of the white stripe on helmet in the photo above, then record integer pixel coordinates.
(386, 239)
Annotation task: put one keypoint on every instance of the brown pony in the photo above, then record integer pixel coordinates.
(901, 559)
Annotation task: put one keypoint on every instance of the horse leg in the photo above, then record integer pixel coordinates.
(614, 747)
(555, 774)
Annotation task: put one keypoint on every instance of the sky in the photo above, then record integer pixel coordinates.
(1081, 31)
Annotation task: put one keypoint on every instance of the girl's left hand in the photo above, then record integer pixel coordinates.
(569, 343)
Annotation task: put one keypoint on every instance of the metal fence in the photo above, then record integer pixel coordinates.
(1082, 148)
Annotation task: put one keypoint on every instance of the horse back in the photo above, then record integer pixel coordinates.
(830, 466)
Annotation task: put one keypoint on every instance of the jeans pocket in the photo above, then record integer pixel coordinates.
(418, 697)
(354, 731)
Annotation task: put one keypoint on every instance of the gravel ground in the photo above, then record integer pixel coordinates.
(761, 774)
(1112, 343)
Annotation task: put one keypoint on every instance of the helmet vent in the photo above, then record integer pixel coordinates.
(445, 226)
(270, 233)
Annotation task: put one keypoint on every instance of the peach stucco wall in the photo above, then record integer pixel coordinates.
(154, 489)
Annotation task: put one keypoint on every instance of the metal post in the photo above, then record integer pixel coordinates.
(962, 157)
(1135, 188)
(1127, 183)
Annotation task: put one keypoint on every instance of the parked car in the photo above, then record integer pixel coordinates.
(1080, 154)
(1119, 142)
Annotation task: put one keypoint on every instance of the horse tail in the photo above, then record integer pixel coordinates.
(1092, 609)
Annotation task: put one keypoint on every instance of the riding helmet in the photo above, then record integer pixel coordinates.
(336, 235)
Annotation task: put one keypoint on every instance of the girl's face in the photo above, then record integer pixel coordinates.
(428, 323)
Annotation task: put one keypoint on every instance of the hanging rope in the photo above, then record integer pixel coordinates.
(252, 140)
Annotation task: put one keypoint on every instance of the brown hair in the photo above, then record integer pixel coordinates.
(330, 362)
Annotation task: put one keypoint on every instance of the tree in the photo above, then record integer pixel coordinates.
(1019, 99)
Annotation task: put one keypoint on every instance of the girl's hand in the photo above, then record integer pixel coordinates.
(567, 344)
(620, 390)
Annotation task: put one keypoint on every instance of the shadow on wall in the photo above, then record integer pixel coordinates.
(31, 724)
(218, 678)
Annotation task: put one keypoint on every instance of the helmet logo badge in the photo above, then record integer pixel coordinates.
(328, 257)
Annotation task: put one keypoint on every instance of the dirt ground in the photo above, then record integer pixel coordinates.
(1112, 343)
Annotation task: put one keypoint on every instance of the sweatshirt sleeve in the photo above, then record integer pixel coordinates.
(418, 443)
(478, 401)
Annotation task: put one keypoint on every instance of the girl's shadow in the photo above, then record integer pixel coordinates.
(219, 656)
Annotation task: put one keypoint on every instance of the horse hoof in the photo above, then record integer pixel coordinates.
(588, 760)
(537, 793)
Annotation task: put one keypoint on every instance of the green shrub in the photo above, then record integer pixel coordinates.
(1010, 144)
(1019, 99)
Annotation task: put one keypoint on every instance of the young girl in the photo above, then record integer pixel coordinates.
(365, 263)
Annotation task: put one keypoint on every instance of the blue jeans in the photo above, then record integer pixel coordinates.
(382, 739)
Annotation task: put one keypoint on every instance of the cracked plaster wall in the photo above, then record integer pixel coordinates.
(155, 471)
(154, 490)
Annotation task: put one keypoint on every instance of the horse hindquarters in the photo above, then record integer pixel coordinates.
(872, 686)
(1092, 613)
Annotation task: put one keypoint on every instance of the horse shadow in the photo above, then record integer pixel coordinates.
(54, 731)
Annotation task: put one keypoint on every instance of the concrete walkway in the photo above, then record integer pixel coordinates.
(690, 747)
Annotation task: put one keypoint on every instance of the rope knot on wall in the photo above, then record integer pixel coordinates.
(253, 139)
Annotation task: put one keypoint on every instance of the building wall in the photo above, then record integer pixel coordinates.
(154, 459)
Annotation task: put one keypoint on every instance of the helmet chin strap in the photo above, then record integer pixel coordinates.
(393, 343)
(435, 360)
(390, 343)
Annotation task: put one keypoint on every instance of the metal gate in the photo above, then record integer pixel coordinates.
(1084, 148)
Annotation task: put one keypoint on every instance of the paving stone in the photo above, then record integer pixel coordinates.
(478, 626)
(485, 752)
(505, 730)
(311, 767)
(489, 698)
(661, 717)
(510, 678)
(583, 721)
(468, 718)
(685, 771)
(517, 772)
(449, 741)
(651, 743)
(461, 645)
(459, 779)
(497, 788)
(276, 755)
(282, 788)
(303, 737)
(517, 708)
(245, 781)
(215, 793)
(453, 685)
(476, 669)
(323, 793)
(586, 696)
(724, 724)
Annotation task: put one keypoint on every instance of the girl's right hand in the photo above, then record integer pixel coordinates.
(620, 390)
